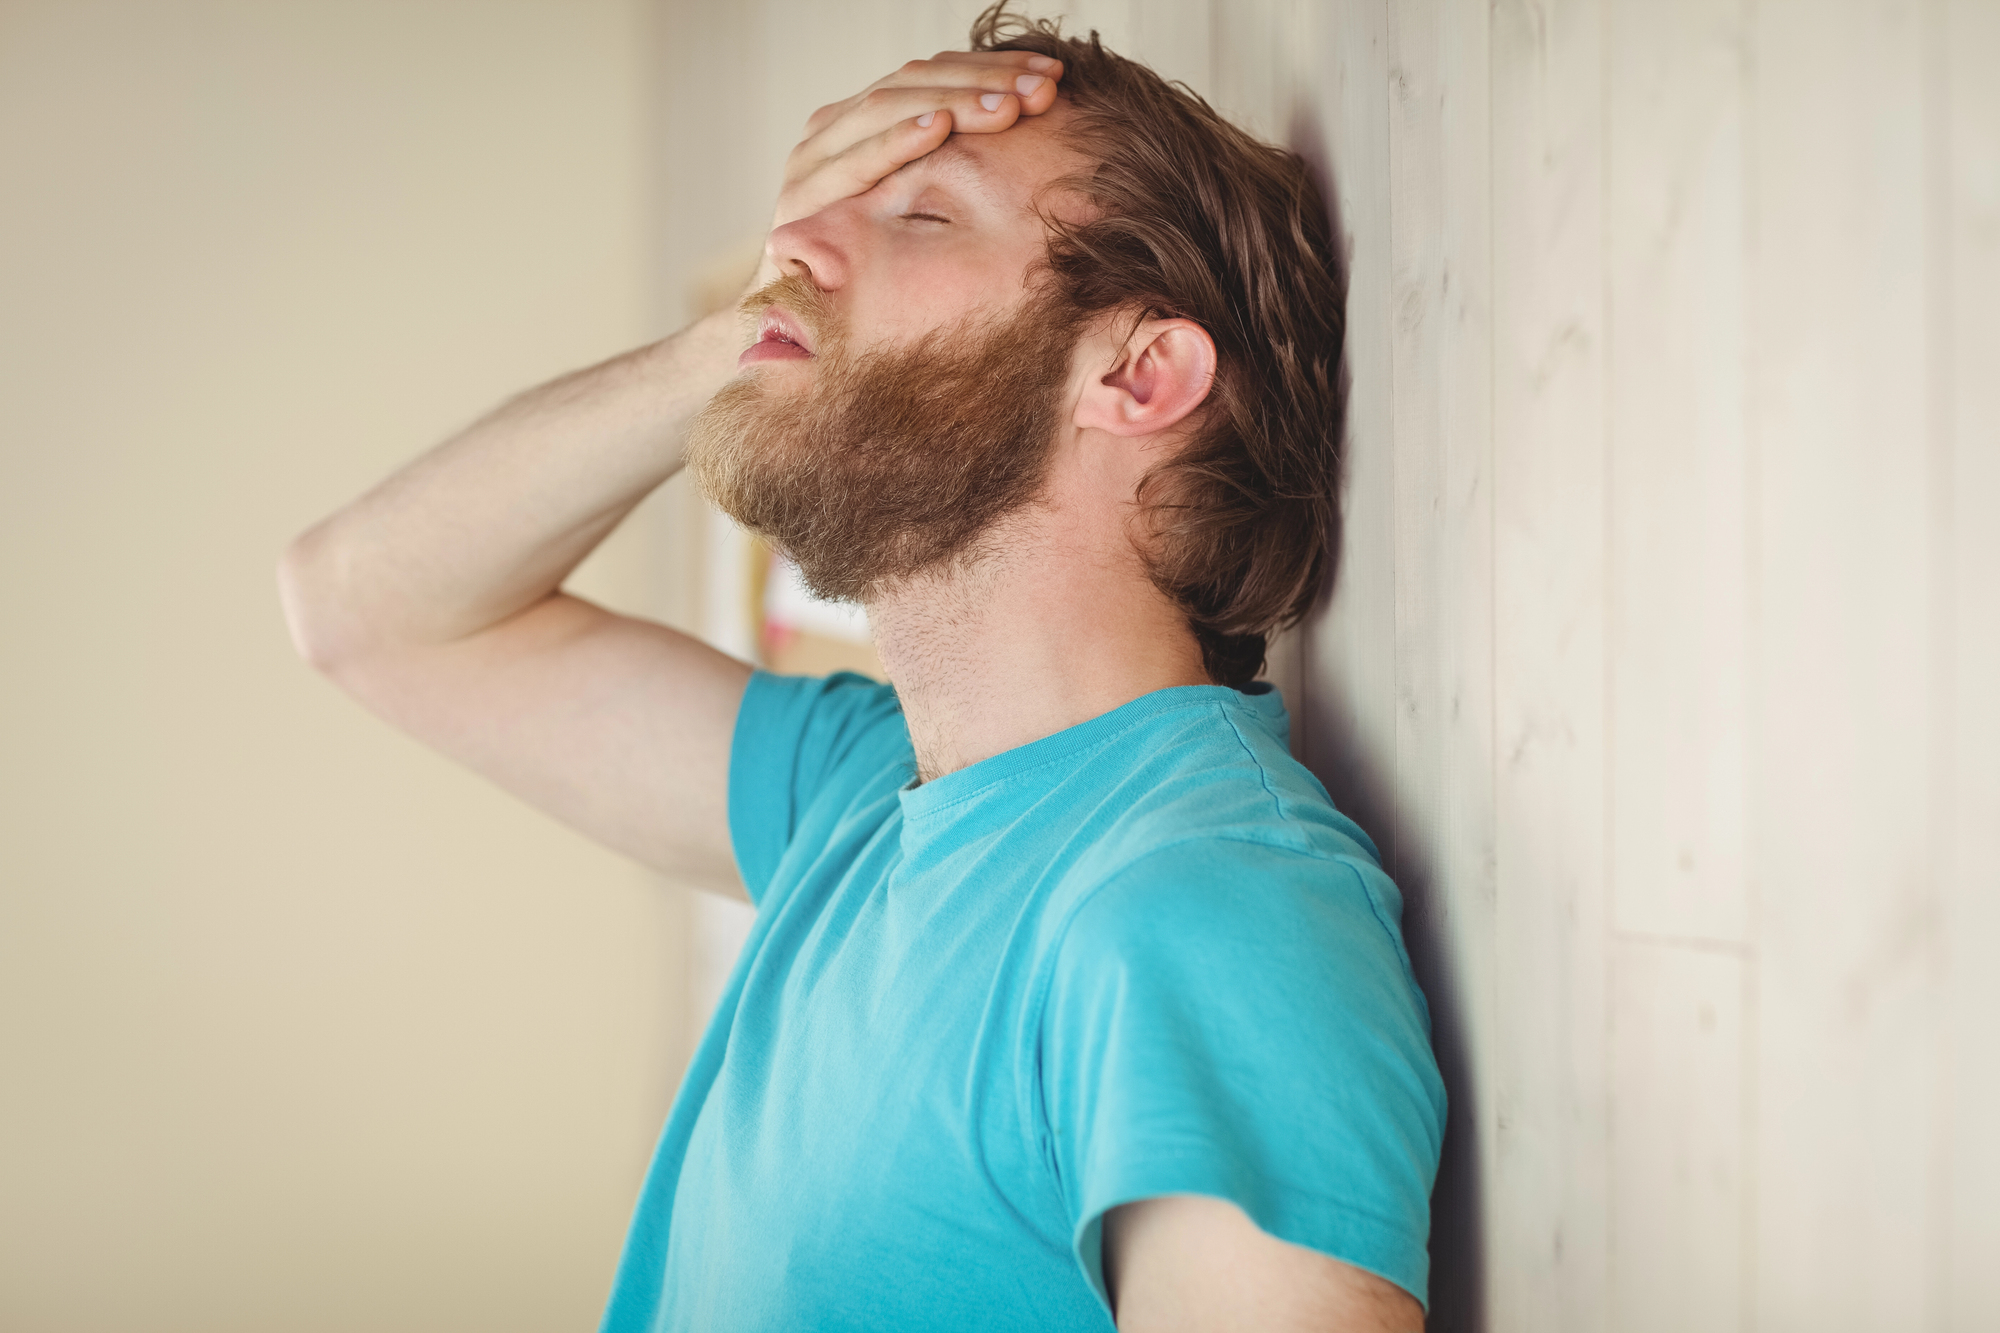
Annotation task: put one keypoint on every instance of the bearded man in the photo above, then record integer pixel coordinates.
(1071, 998)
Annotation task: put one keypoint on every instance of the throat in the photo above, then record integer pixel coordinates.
(992, 657)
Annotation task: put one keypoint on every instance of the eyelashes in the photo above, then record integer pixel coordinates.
(925, 217)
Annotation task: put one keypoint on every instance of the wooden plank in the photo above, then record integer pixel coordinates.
(1966, 494)
(1678, 1093)
(1349, 651)
(1176, 38)
(1464, 976)
(1349, 661)
(1679, 467)
(1114, 20)
(1253, 60)
(1440, 387)
(1549, 1257)
(1844, 916)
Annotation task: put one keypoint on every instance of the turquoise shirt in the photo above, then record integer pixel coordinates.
(1142, 956)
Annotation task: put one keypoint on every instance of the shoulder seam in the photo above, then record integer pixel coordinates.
(1263, 773)
(1395, 933)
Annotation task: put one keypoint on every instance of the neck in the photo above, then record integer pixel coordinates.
(1036, 637)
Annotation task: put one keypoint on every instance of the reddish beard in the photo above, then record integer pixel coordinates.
(895, 461)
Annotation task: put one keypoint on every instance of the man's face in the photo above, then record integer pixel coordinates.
(906, 386)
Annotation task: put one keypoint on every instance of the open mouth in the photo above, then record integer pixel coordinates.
(779, 338)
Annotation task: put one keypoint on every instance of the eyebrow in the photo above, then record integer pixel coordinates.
(957, 164)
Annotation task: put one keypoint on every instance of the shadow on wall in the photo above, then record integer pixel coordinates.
(1363, 787)
(1362, 782)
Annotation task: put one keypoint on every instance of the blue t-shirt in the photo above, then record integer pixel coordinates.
(1142, 956)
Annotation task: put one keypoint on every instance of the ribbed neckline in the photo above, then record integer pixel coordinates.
(1261, 699)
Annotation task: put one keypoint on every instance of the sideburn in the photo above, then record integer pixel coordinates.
(896, 461)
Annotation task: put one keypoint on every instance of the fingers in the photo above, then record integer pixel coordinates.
(852, 144)
(857, 168)
(1023, 72)
(1014, 73)
(973, 110)
(947, 69)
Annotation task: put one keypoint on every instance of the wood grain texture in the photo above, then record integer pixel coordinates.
(1178, 40)
(1675, 220)
(1253, 64)
(1677, 1094)
(1350, 655)
(1965, 294)
(1845, 911)
(1677, 479)
(1441, 399)
(1548, 1258)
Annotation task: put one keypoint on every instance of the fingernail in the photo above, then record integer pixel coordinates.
(1028, 83)
(1041, 64)
(992, 101)
(924, 121)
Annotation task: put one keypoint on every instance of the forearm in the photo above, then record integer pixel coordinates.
(493, 520)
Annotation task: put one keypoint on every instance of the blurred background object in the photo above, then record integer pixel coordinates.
(1661, 667)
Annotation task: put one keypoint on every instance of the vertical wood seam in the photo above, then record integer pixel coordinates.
(1941, 437)
(1608, 609)
(1498, 1077)
(1752, 1040)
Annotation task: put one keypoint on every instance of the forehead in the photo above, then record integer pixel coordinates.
(1013, 167)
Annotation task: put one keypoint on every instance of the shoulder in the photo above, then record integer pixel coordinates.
(800, 731)
(1222, 912)
(1209, 810)
(831, 711)
(1216, 768)
(1227, 856)
(806, 749)
(1231, 1012)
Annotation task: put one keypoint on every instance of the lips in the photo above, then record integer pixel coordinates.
(779, 338)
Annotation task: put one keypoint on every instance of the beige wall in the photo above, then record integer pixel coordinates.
(300, 1027)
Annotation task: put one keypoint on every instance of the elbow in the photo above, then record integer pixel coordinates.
(316, 611)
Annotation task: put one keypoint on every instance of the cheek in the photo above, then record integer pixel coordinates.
(930, 285)
(916, 294)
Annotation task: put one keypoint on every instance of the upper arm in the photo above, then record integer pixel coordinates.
(1236, 1021)
(1189, 1262)
(619, 727)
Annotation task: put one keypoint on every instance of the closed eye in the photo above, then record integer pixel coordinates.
(925, 217)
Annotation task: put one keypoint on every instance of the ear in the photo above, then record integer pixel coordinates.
(1162, 372)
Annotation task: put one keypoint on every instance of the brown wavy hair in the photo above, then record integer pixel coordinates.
(1193, 218)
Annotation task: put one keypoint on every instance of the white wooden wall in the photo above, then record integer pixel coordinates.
(1663, 658)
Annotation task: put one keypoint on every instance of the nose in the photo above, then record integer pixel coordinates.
(814, 246)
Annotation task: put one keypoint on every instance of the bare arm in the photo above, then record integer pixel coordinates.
(436, 598)
(1184, 1263)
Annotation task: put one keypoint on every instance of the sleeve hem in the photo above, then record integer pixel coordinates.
(755, 869)
(1344, 1231)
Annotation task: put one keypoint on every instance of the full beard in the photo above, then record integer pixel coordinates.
(896, 461)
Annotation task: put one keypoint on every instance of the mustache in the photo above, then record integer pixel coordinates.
(805, 302)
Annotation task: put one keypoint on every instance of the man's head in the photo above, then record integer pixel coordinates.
(974, 306)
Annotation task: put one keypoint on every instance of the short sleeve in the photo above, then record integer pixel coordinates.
(1238, 1020)
(797, 739)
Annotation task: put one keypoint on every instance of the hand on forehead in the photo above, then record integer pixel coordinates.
(955, 96)
(1013, 168)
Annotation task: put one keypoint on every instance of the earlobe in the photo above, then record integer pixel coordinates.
(1164, 372)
